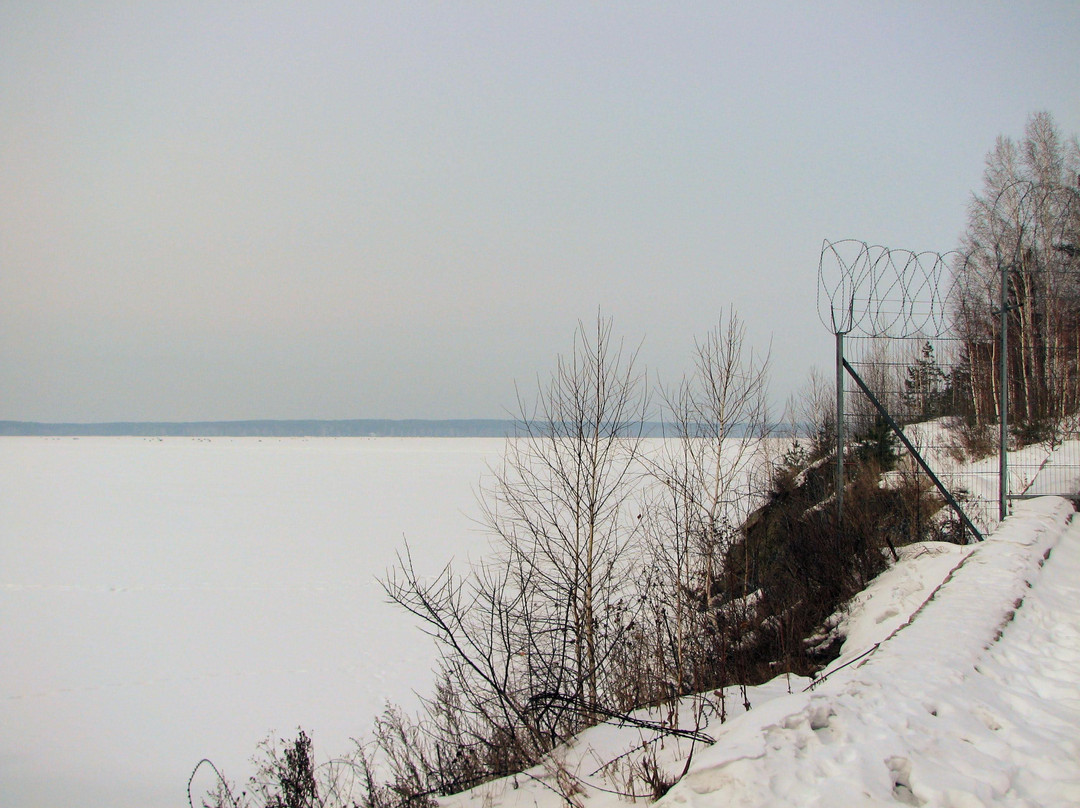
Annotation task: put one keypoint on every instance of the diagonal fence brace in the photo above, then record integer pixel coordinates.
(949, 498)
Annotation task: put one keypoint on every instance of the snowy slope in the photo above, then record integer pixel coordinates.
(976, 702)
(958, 686)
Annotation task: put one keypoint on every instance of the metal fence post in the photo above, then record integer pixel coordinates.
(839, 429)
(1003, 433)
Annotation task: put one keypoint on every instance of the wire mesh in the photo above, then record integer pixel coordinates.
(917, 381)
(927, 331)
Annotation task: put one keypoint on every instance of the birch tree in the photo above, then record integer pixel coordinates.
(1023, 231)
(708, 479)
(529, 636)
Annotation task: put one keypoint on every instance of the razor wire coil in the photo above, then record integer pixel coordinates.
(876, 291)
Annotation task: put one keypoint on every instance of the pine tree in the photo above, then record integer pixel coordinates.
(924, 387)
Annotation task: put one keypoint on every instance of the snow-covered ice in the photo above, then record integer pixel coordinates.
(167, 600)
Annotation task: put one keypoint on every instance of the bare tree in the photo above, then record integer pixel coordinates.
(813, 411)
(528, 637)
(563, 510)
(1024, 232)
(709, 479)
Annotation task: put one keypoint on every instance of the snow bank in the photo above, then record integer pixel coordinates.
(955, 687)
(975, 703)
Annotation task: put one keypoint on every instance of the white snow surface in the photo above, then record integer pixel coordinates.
(167, 600)
(975, 703)
(958, 686)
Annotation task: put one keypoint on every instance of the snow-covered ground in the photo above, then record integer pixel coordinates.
(167, 600)
(1035, 470)
(975, 703)
(958, 686)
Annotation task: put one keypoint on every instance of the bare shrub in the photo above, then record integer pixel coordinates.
(970, 439)
(650, 772)
(705, 487)
(286, 776)
(530, 638)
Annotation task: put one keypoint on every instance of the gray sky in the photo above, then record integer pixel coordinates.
(352, 210)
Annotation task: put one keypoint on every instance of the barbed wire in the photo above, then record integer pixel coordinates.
(877, 291)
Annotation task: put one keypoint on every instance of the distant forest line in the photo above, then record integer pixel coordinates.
(356, 428)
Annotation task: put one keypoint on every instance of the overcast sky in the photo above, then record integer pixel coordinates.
(363, 210)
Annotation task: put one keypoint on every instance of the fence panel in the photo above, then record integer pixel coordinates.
(926, 334)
